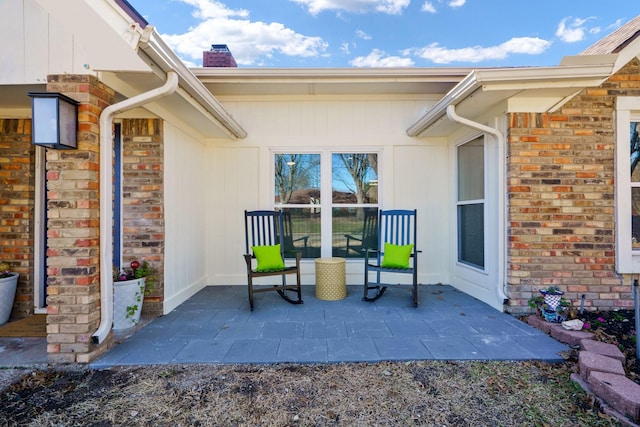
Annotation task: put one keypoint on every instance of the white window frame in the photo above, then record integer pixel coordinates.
(326, 189)
(458, 203)
(627, 259)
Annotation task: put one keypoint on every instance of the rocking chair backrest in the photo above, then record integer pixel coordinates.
(262, 228)
(370, 229)
(397, 227)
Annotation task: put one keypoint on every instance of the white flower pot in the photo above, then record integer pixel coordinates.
(127, 303)
(8, 287)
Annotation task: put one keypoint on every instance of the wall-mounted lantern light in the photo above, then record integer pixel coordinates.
(54, 120)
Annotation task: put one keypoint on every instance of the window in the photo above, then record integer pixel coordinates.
(470, 203)
(325, 214)
(628, 185)
(354, 196)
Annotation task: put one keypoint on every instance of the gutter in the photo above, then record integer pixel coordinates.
(451, 113)
(162, 59)
(106, 206)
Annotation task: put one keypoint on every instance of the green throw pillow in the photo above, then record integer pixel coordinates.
(396, 256)
(269, 258)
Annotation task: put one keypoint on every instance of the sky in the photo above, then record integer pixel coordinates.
(385, 33)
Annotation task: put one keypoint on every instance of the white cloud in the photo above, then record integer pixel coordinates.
(249, 41)
(391, 7)
(377, 58)
(344, 47)
(457, 3)
(427, 6)
(364, 36)
(443, 55)
(571, 31)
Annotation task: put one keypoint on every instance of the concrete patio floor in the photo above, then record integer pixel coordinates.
(216, 326)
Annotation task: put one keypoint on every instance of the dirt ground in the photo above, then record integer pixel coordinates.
(428, 393)
(424, 393)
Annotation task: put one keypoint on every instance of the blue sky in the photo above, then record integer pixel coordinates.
(385, 33)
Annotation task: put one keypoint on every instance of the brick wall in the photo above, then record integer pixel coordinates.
(73, 292)
(561, 213)
(143, 201)
(17, 171)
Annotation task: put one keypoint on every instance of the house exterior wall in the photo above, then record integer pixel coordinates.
(17, 171)
(186, 214)
(561, 207)
(412, 172)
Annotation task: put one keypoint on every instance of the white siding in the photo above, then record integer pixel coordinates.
(413, 173)
(185, 183)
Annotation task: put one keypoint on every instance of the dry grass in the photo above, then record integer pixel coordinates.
(427, 393)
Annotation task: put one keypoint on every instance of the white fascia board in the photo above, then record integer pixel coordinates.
(439, 111)
(510, 79)
(164, 59)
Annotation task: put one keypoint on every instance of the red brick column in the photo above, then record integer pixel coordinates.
(143, 201)
(73, 299)
(17, 172)
(561, 208)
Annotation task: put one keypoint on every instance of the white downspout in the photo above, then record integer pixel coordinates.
(451, 113)
(106, 206)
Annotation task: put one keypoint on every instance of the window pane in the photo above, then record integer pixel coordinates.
(355, 178)
(471, 170)
(635, 218)
(471, 234)
(354, 229)
(302, 232)
(634, 143)
(297, 179)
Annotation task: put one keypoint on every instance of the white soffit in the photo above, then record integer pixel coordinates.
(329, 81)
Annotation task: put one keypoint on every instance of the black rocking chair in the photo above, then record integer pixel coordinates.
(395, 252)
(263, 235)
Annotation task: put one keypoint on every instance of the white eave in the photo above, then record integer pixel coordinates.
(133, 60)
(530, 89)
(238, 82)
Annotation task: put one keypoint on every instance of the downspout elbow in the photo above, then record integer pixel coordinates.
(106, 207)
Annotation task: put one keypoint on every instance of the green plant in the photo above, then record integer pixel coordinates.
(136, 270)
(5, 270)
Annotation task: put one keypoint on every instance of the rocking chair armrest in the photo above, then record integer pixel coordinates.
(350, 237)
(304, 239)
(298, 253)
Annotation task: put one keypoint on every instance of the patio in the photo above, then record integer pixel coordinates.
(216, 326)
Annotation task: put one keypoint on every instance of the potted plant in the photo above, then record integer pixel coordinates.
(130, 285)
(551, 305)
(8, 285)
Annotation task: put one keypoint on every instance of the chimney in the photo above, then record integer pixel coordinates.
(218, 56)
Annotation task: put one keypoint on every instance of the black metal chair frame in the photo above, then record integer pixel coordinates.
(264, 228)
(397, 227)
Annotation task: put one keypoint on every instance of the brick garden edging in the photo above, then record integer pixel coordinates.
(601, 370)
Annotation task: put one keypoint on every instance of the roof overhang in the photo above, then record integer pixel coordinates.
(530, 89)
(419, 82)
(133, 60)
